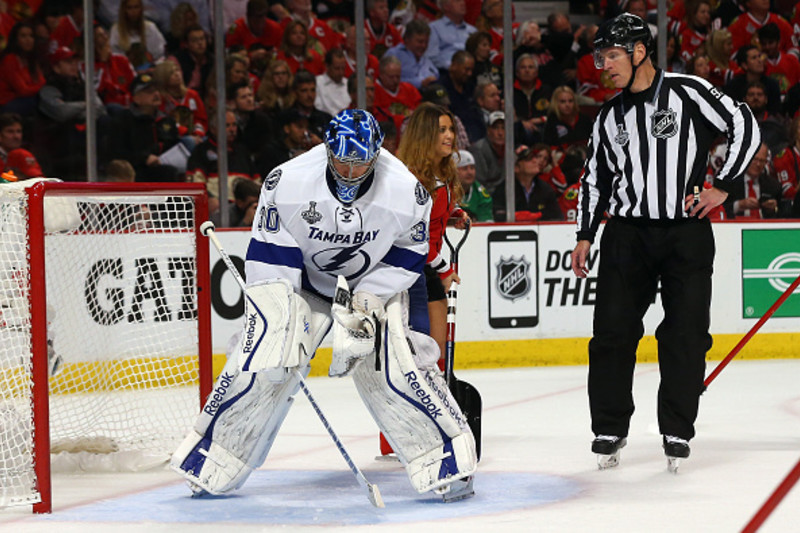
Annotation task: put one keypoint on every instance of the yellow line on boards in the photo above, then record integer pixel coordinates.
(145, 373)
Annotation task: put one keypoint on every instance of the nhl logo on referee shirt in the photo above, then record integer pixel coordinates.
(311, 215)
(513, 277)
(663, 123)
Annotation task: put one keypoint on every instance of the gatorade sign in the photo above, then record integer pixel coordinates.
(770, 263)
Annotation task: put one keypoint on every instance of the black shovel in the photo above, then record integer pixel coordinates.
(467, 396)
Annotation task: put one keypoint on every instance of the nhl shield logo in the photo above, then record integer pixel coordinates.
(663, 123)
(311, 215)
(513, 277)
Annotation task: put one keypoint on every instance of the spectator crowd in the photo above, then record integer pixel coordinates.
(290, 66)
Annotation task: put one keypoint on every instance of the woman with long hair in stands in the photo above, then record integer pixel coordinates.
(719, 47)
(22, 72)
(275, 92)
(427, 147)
(296, 49)
(566, 125)
(182, 104)
(132, 28)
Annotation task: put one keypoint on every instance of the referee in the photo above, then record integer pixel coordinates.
(649, 151)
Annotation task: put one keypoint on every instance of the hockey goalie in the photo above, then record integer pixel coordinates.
(340, 236)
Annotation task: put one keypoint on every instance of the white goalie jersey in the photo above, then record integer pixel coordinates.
(304, 234)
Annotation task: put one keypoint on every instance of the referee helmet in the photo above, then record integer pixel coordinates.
(624, 31)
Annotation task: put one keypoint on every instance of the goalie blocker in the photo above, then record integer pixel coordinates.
(399, 383)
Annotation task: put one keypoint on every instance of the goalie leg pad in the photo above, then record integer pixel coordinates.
(242, 416)
(277, 332)
(414, 407)
(236, 428)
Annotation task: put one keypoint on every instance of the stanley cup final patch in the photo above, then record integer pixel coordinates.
(311, 215)
(663, 123)
(622, 136)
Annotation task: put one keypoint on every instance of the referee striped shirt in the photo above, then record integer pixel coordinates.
(650, 149)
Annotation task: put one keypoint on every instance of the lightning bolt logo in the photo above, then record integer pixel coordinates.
(336, 260)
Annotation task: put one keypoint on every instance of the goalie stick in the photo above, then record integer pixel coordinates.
(374, 495)
(467, 396)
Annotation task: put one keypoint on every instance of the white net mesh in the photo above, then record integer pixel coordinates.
(122, 330)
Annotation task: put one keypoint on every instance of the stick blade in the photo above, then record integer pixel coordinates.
(375, 496)
(469, 400)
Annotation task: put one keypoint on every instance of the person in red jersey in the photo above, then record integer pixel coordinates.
(382, 35)
(22, 74)
(399, 97)
(719, 47)
(757, 14)
(295, 49)
(783, 67)
(318, 29)
(695, 30)
(787, 162)
(113, 72)
(181, 103)
(69, 27)
(349, 48)
(255, 27)
(427, 147)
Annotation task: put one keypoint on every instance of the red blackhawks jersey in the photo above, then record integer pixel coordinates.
(690, 41)
(400, 102)
(594, 83)
(313, 62)
(240, 34)
(785, 70)
(568, 201)
(443, 208)
(319, 30)
(372, 66)
(389, 37)
(787, 168)
(64, 33)
(744, 27)
(113, 79)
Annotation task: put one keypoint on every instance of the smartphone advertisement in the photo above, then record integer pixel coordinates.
(513, 279)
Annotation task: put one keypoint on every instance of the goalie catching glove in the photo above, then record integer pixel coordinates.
(356, 322)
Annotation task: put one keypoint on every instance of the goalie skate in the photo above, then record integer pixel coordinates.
(607, 448)
(458, 490)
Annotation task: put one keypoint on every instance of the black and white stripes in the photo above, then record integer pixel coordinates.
(650, 149)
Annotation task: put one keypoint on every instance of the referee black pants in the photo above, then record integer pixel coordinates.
(634, 256)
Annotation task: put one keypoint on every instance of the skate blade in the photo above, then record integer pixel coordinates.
(672, 464)
(459, 490)
(197, 490)
(389, 458)
(604, 462)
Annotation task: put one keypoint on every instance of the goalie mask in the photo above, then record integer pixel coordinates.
(353, 140)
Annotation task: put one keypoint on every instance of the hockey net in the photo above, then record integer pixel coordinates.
(104, 328)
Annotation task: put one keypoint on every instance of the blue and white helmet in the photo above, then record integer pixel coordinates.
(353, 137)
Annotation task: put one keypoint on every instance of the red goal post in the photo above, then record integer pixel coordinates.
(105, 326)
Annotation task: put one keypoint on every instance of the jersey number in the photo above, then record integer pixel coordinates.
(269, 220)
(419, 232)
